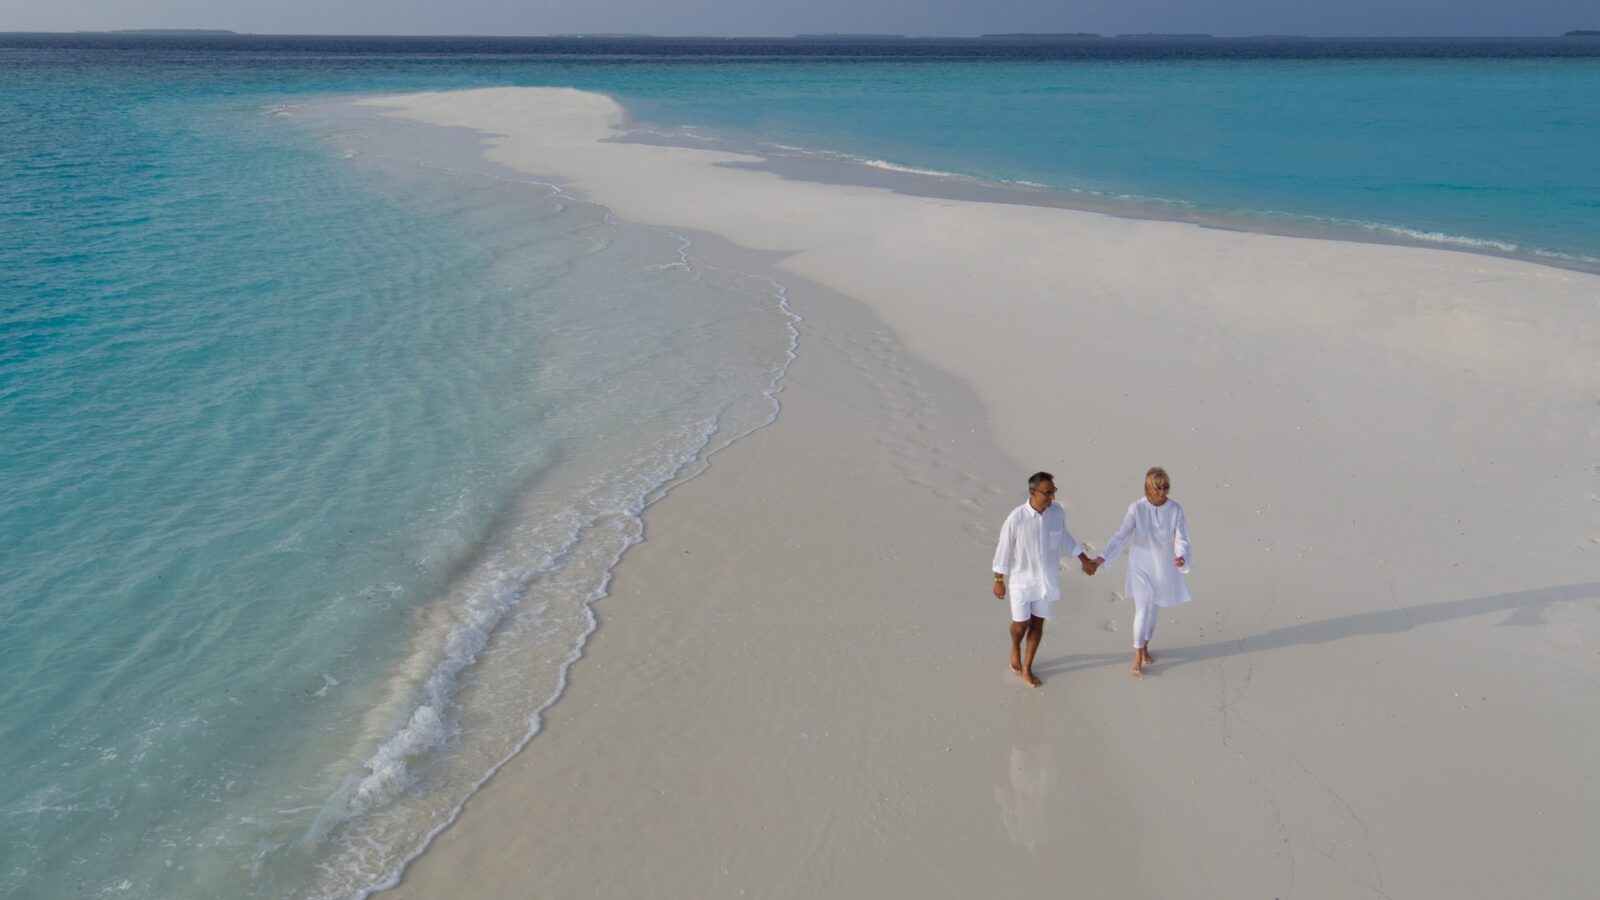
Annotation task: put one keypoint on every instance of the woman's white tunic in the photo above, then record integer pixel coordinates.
(1154, 536)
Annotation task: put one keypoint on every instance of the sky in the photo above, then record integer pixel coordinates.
(785, 17)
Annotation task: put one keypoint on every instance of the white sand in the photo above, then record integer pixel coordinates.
(1387, 683)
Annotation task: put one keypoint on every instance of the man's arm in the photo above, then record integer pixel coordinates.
(1070, 546)
(1002, 558)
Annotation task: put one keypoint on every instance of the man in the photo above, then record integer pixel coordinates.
(1033, 541)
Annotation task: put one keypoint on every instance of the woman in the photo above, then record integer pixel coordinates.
(1157, 540)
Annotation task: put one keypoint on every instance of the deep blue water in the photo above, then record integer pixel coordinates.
(311, 458)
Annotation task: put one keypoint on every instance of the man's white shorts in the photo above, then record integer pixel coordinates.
(1023, 610)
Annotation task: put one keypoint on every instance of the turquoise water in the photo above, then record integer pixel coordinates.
(318, 438)
(1496, 154)
(314, 458)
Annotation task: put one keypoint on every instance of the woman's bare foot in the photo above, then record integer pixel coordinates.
(1148, 659)
(1138, 664)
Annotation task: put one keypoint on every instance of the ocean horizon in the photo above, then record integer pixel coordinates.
(323, 435)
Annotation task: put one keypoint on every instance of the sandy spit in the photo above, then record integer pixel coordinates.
(1388, 455)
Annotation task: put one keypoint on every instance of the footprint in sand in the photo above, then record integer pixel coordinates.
(1110, 625)
(1116, 596)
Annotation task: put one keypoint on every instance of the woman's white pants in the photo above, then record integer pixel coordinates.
(1144, 623)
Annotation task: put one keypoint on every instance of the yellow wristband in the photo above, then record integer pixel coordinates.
(999, 579)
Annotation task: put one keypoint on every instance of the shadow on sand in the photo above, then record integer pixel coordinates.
(1525, 608)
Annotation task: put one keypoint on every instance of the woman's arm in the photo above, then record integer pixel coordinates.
(1180, 540)
(1114, 547)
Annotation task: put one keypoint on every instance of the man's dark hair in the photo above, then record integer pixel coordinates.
(1039, 478)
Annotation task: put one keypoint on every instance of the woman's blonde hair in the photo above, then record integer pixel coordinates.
(1155, 474)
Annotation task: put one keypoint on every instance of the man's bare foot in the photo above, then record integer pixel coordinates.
(1031, 679)
(1016, 662)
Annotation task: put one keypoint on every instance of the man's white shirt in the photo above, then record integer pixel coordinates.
(1032, 545)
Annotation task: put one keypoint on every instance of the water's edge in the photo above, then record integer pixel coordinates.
(829, 167)
(460, 151)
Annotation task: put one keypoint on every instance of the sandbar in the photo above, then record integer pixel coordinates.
(1388, 456)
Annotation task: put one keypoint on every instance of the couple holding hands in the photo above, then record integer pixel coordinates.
(1034, 540)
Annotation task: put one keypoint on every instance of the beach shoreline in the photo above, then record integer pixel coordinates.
(1386, 453)
(848, 171)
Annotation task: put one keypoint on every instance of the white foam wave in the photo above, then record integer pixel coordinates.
(681, 132)
(391, 772)
(373, 861)
(869, 162)
(908, 170)
(1446, 239)
(1440, 237)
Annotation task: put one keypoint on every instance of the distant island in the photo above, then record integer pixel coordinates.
(836, 36)
(1155, 35)
(1042, 34)
(1582, 32)
(165, 31)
